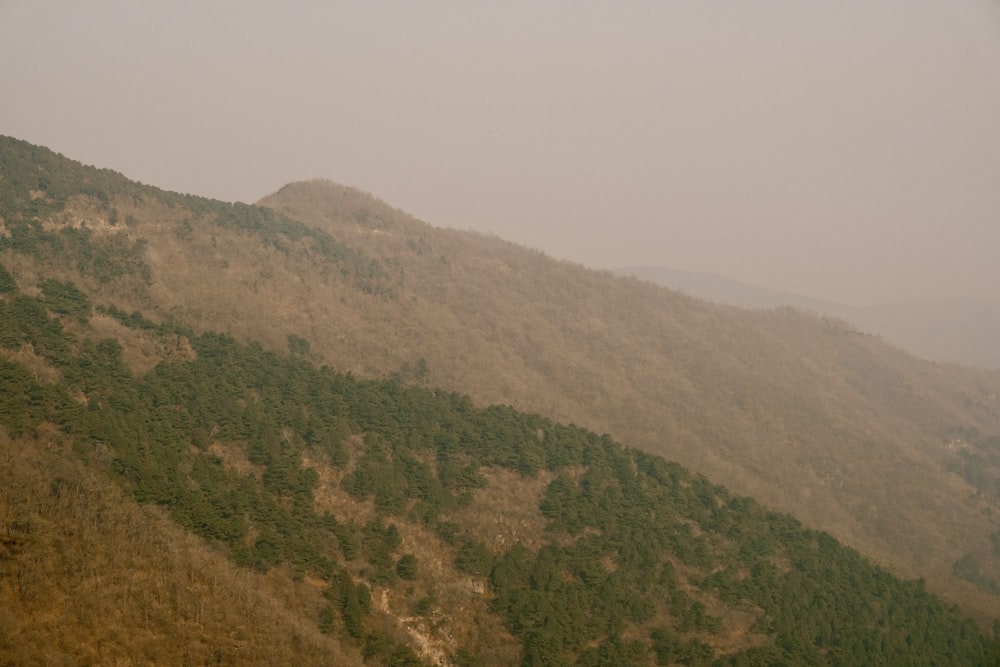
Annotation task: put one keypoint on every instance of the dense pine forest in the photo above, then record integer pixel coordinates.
(407, 524)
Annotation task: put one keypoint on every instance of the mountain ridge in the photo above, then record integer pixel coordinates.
(961, 331)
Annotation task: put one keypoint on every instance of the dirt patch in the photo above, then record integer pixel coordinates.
(519, 521)
(142, 350)
(38, 366)
(234, 458)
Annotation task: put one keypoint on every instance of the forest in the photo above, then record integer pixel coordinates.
(638, 561)
(218, 417)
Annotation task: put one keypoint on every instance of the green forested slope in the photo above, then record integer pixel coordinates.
(636, 561)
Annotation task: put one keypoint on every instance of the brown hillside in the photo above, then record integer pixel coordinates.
(89, 577)
(805, 414)
(810, 417)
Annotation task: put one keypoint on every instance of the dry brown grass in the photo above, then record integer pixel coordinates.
(39, 367)
(141, 350)
(458, 615)
(505, 511)
(88, 577)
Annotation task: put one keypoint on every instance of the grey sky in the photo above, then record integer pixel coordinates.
(848, 149)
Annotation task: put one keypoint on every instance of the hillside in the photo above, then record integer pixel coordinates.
(962, 331)
(89, 577)
(893, 455)
(804, 413)
(371, 517)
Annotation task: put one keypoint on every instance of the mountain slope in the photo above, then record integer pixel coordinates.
(804, 413)
(409, 524)
(89, 577)
(955, 330)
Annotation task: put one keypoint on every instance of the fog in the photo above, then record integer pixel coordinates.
(847, 150)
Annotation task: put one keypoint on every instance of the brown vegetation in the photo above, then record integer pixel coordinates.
(89, 577)
(804, 413)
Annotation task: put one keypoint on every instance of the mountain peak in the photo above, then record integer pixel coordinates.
(321, 199)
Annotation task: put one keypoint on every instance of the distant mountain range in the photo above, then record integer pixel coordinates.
(963, 331)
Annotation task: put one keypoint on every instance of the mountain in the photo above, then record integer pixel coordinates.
(805, 413)
(963, 331)
(408, 523)
(253, 370)
(721, 289)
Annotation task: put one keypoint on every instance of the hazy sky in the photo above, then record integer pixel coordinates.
(847, 149)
